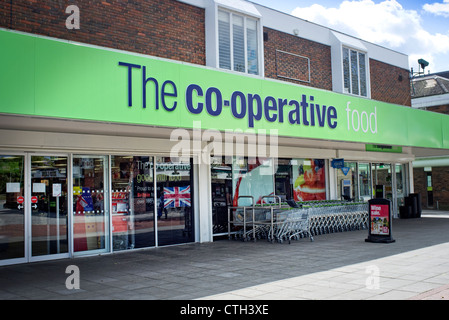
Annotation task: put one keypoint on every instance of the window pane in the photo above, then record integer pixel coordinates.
(347, 183)
(354, 73)
(238, 38)
(251, 40)
(132, 202)
(221, 187)
(174, 201)
(309, 179)
(365, 181)
(224, 40)
(89, 205)
(49, 230)
(252, 177)
(12, 201)
(362, 68)
(346, 77)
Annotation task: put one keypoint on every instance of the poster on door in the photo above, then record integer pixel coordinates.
(309, 180)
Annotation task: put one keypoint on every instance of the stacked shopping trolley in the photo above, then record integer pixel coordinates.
(277, 221)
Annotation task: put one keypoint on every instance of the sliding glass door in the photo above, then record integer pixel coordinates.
(90, 204)
(48, 201)
(12, 208)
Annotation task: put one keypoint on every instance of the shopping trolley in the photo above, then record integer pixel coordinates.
(293, 224)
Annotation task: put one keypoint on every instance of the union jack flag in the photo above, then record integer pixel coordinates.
(177, 197)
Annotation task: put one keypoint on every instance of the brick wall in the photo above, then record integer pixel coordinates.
(389, 83)
(319, 55)
(440, 109)
(175, 30)
(167, 29)
(440, 177)
(440, 187)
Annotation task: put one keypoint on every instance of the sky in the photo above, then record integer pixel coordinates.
(419, 29)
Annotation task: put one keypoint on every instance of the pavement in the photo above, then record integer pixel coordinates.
(336, 266)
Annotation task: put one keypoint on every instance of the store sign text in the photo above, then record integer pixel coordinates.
(306, 111)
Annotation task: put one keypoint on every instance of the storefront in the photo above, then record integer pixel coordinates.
(59, 205)
(105, 151)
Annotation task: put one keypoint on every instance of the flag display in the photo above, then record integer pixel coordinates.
(175, 197)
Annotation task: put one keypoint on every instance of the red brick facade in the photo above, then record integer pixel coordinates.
(319, 55)
(440, 188)
(440, 177)
(389, 83)
(168, 29)
(440, 109)
(175, 30)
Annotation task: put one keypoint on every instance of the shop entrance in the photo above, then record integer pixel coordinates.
(390, 182)
(221, 188)
(90, 206)
(33, 207)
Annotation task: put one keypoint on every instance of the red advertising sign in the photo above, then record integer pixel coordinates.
(20, 199)
(380, 219)
(33, 199)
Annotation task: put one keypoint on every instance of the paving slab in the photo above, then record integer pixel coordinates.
(336, 266)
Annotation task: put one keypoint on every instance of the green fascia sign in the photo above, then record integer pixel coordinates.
(383, 148)
(51, 78)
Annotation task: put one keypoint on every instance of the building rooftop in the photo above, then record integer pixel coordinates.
(430, 85)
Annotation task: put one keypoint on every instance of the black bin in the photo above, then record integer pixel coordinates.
(405, 212)
(412, 202)
(417, 201)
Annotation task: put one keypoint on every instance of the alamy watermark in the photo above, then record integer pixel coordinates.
(373, 280)
(72, 21)
(73, 280)
(254, 144)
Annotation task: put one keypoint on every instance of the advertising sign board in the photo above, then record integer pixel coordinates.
(379, 220)
(53, 78)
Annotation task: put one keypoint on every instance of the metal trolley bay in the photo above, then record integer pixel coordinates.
(279, 221)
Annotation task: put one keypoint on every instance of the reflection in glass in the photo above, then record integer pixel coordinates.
(347, 183)
(309, 179)
(365, 181)
(89, 205)
(283, 179)
(221, 187)
(401, 183)
(49, 227)
(252, 177)
(382, 177)
(174, 201)
(132, 202)
(12, 201)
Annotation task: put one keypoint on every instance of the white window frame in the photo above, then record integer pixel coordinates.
(338, 42)
(351, 88)
(245, 41)
(244, 9)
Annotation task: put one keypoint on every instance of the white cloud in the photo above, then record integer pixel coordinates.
(439, 9)
(386, 23)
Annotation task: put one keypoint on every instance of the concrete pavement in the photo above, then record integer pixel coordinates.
(335, 266)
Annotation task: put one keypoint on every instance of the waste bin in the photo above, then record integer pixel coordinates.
(412, 202)
(418, 209)
(405, 212)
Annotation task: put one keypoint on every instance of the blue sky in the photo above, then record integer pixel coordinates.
(419, 29)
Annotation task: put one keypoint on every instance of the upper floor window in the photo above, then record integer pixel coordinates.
(354, 72)
(238, 42)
